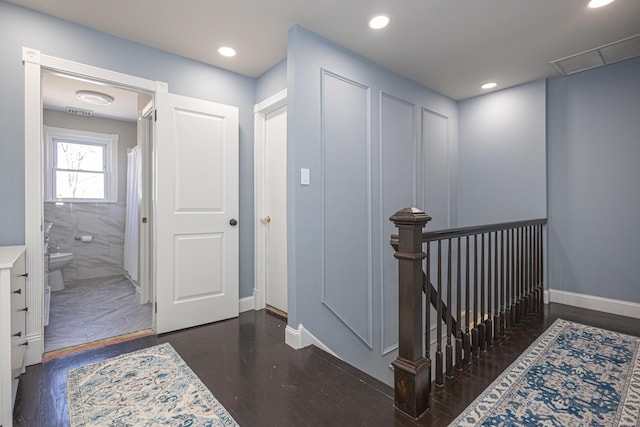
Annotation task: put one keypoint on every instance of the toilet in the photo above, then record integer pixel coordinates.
(57, 261)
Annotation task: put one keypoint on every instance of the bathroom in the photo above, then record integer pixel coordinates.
(93, 196)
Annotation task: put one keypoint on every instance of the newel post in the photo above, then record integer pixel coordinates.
(412, 371)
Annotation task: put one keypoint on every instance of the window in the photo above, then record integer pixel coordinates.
(80, 166)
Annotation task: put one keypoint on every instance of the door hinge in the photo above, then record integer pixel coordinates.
(156, 306)
(155, 115)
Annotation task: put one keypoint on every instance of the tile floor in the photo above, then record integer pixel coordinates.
(94, 309)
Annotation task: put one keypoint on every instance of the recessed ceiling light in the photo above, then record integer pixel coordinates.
(593, 4)
(95, 98)
(378, 22)
(227, 51)
(489, 85)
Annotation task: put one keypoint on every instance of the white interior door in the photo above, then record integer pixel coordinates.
(196, 199)
(276, 208)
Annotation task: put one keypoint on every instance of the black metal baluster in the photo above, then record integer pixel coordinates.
(459, 308)
(510, 280)
(525, 272)
(497, 320)
(534, 272)
(516, 277)
(490, 285)
(530, 257)
(541, 267)
(449, 349)
(427, 308)
(474, 332)
(481, 326)
(439, 377)
(466, 340)
(521, 284)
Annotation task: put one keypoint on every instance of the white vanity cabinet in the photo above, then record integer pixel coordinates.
(13, 310)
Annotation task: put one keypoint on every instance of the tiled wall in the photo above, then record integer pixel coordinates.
(104, 221)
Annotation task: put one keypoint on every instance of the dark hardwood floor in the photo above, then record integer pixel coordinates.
(263, 382)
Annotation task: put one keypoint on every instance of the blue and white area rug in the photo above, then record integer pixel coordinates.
(150, 387)
(573, 375)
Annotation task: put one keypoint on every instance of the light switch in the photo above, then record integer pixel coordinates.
(304, 176)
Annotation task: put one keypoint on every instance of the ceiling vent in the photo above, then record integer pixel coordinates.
(608, 54)
(79, 112)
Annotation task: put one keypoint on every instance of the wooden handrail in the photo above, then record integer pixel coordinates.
(453, 233)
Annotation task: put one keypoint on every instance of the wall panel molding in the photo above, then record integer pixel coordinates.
(398, 149)
(436, 157)
(346, 226)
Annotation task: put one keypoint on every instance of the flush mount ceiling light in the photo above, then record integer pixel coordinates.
(227, 51)
(378, 22)
(593, 4)
(489, 85)
(94, 98)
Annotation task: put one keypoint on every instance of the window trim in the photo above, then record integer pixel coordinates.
(109, 141)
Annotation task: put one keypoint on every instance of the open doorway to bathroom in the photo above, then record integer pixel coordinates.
(96, 145)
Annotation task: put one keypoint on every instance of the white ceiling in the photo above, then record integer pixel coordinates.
(450, 46)
(58, 93)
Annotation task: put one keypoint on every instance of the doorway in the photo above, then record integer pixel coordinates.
(96, 142)
(271, 204)
(194, 258)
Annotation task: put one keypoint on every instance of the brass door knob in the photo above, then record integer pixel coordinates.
(266, 220)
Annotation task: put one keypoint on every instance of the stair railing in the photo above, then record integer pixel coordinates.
(493, 274)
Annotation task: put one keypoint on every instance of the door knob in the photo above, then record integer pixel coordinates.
(266, 219)
(233, 222)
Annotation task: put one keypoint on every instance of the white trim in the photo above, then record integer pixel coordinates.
(34, 63)
(301, 337)
(247, 304)
(96, 74)
(272, 103)
(34, 205)
(259, 170)
(590, 302)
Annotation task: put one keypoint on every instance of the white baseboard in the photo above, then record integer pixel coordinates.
(301, 337)
(608, 305)
(247, 303)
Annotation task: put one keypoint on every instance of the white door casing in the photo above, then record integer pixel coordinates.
(276, 208)
(262, 242)
(196, 200)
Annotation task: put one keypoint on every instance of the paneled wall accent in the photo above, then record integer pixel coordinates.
(104, 221)
(398, 170)
(435, 169)
(346, 200)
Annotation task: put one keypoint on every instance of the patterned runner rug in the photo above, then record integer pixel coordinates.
(573, 375)
(150, 387)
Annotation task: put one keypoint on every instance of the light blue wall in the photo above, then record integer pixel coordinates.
(502, 158)
(271, 81)
(20, 27)
(594, 182)
(369, 137)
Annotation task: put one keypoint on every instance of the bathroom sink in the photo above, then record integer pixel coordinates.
(47, 228)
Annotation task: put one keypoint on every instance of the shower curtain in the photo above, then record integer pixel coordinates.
(134, 198)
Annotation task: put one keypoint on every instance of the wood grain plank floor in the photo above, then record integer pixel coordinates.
(263, 382)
